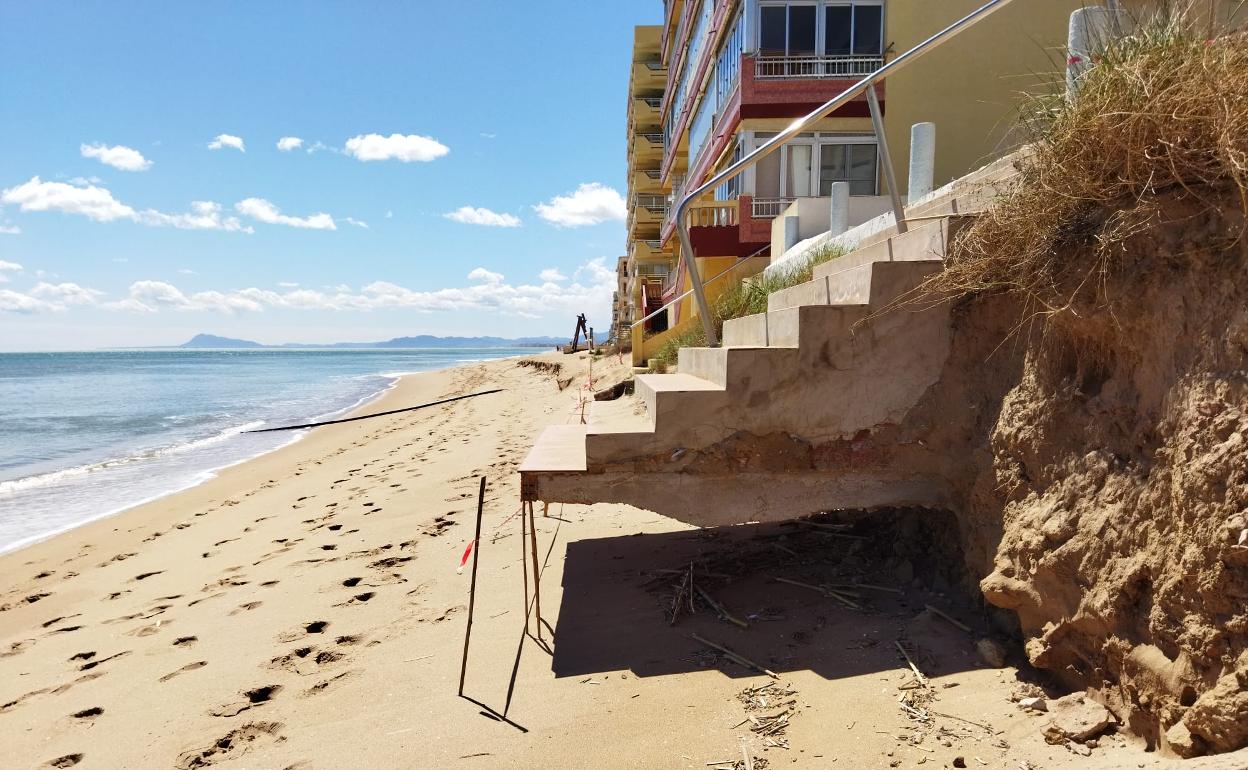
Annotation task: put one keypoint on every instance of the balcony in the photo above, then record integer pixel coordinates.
(648, 148)
(815, 67)
(769, 208)
(648, 180)
(649, 77)
(648, 252)
(646, 215)
(644, 112)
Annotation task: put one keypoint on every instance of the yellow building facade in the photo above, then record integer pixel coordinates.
(738, 71)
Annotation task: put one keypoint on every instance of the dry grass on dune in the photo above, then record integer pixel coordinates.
(1162, 115)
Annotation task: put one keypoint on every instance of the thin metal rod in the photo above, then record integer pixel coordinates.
(537, 573)
(886, 157)
(524, 566)
(472, 586)
(801, 124)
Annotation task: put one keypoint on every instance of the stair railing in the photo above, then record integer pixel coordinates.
(866, 85)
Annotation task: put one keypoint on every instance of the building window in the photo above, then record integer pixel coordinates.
(853, 163)
(817, 30)
(788, 30)
(808, 165)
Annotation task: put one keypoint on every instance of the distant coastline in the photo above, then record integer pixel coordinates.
(424, 341)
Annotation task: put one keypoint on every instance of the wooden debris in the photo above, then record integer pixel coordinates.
(840, 597)
(917, 673)
(741, 659)
(723, 613)
(948, 617)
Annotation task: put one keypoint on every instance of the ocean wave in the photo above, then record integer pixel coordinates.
(14, 486)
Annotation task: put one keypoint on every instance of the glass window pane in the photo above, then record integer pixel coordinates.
(862, 162)
(868, 29)
(767, 177)
(772, 31)
(799, 171)
(837, 24)
(802, 30)
(832, 167)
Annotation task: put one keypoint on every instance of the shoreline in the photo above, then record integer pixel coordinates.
(205, 475)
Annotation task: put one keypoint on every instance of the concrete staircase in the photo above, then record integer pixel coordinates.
(804, 408)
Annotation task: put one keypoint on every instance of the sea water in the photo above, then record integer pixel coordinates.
(85, 435)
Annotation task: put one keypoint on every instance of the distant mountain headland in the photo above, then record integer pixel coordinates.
(203, 341)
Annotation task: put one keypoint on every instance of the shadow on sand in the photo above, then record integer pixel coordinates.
(618, 592)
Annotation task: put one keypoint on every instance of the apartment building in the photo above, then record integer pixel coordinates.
(738, 71)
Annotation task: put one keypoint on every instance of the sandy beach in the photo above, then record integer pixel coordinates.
(303, 610)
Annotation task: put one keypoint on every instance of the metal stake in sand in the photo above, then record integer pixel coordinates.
(537, 571)
(472, 586)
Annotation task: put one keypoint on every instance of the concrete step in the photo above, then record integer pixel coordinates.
(925, 241)
(734, 368)
(849, 287)
(559, 449)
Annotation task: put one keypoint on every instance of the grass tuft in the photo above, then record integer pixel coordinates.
(1162, 114)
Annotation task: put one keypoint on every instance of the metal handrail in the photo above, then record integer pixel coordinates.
(867, 84)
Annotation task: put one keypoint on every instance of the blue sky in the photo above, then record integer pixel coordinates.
(459, 171)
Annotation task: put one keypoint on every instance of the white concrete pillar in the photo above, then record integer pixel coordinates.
(922, 160)
(791, 231)
(839, 218)
(1090, 30)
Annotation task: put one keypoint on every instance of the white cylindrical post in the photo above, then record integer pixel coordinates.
(792, 231)
(922, 160)
(839, 219)
(1090, 30)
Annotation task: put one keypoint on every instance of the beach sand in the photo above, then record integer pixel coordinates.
(303, 610)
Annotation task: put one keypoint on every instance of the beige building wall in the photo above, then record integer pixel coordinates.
(971, 86)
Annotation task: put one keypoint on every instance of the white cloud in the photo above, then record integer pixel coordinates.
(475, 216)
(204, 215)
(65, 293)
(117, 156)
(591, 288)
(481, 274)
(317, 146)
(407, 148)
(93, 202)
(99, 205)
(10, 266)
(16, 302)
(187, 271)
(487, 135)
(551, 275)
(389, 214)
(357, 222)
(288, 143)
(263, 211)
(227, 140)
(10, 230)
(591, 204)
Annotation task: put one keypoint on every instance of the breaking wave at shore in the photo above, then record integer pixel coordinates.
(88, 435)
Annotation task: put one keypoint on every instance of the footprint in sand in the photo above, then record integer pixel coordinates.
(333, 681)
(69, 760)
(234, 743)
(185, 669)
(90, 713)
(251, 699)
(183, 641)
(248, 607)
